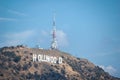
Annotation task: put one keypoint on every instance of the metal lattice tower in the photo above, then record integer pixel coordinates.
(54, 41)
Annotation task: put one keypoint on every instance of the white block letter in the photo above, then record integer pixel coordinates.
(60, 60)
(34, 57)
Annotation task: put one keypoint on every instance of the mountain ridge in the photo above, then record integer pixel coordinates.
(16, 63)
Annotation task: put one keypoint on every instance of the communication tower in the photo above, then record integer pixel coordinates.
(54, 40)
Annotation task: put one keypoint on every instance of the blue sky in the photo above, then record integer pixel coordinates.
(85, 28)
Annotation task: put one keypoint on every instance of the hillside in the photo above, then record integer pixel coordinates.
(16, 63)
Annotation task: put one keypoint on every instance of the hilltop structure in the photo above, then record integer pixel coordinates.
(54, 41)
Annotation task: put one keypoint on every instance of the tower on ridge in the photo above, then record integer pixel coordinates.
(54, 41)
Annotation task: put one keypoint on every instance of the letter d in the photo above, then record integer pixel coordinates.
(60, 60)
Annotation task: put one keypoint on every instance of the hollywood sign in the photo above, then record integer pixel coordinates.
(46, 58)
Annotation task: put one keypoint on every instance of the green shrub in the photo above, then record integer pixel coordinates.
(17, 58)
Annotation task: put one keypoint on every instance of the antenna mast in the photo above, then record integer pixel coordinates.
(54, 41)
